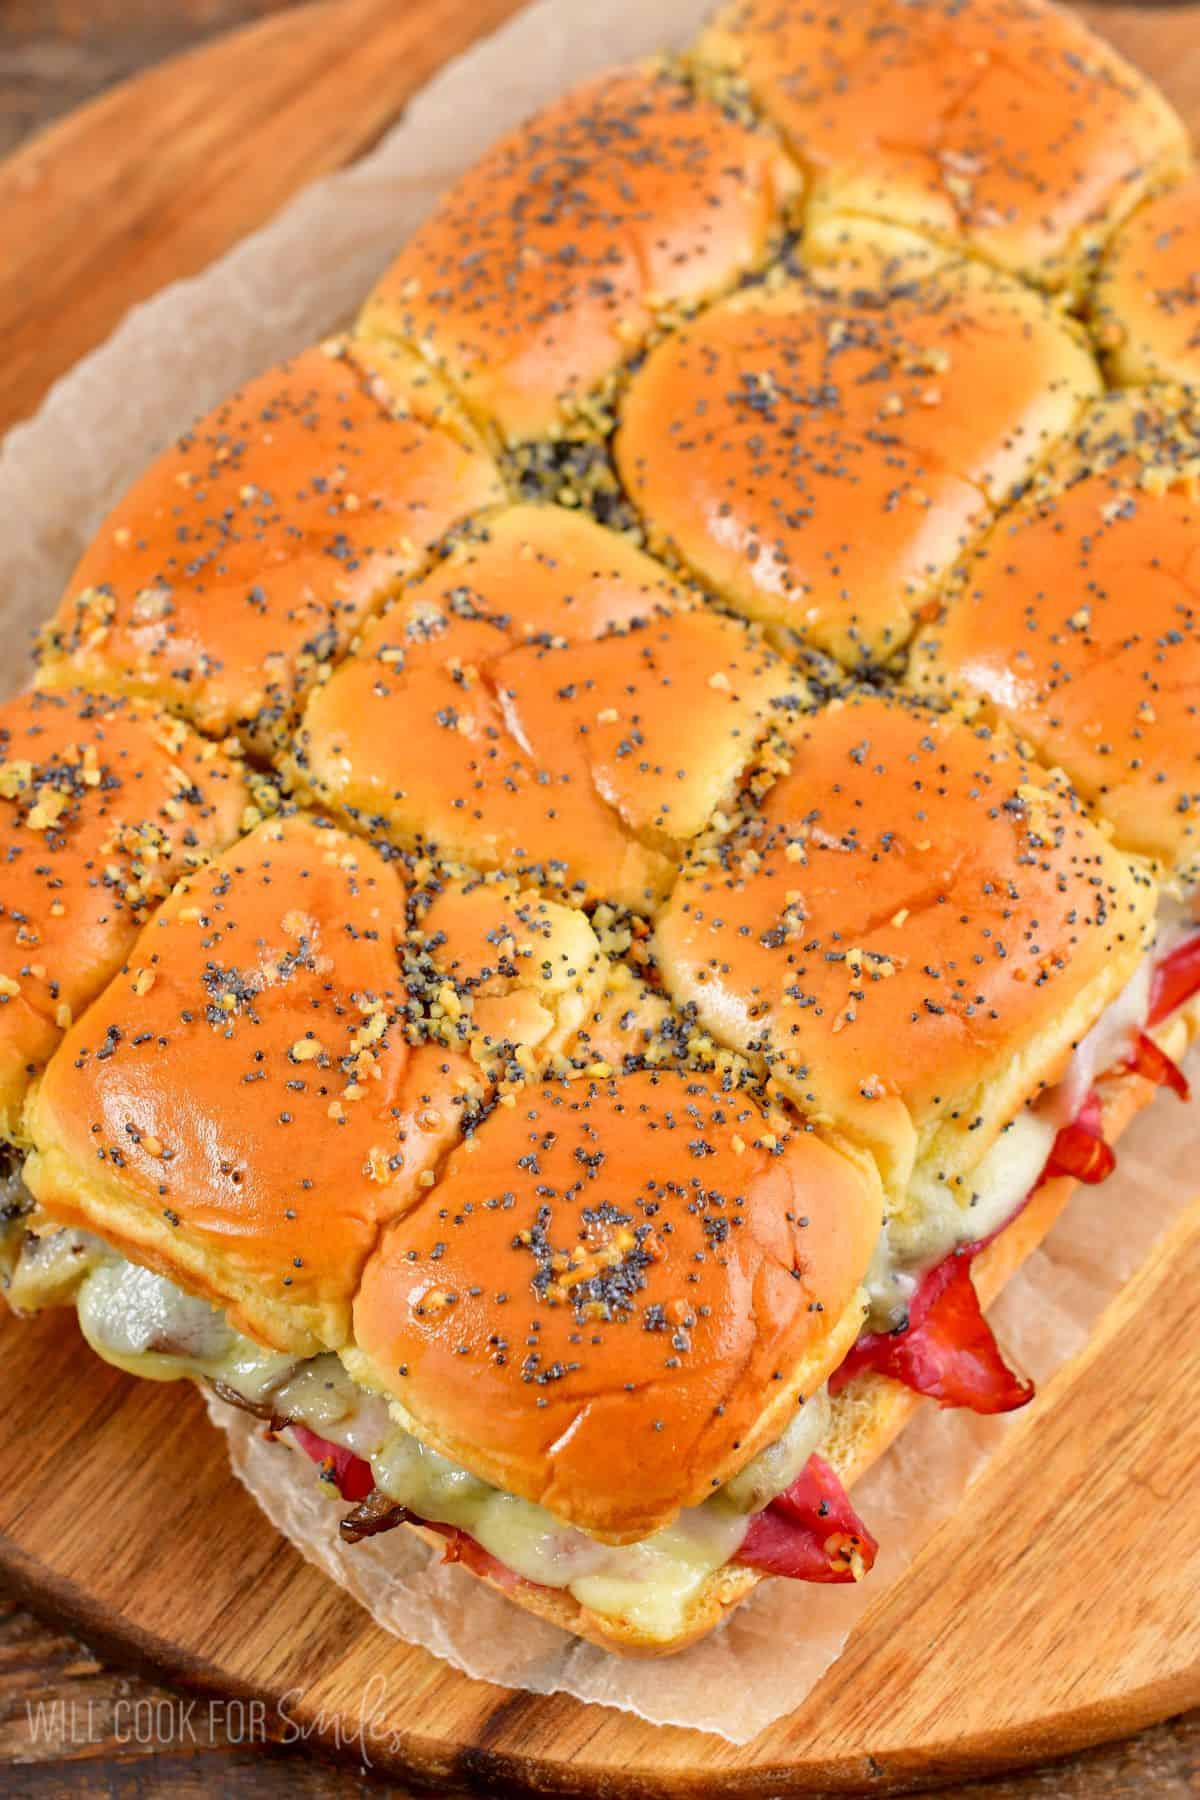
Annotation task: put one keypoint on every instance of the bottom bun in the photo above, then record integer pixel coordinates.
(868, 1414)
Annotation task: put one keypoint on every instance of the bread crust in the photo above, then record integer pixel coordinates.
(956, 123)
(1143, 307)
(241, 1107)
(241, 563)
(603, 1341)
(1070, 623)
(883, 893)
(841, 520)
(104, 803)
(549, 261)
(868, 1416)
(554, 685)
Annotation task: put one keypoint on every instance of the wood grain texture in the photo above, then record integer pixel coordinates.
(137, 1454)
(57, 54)
(150, 183)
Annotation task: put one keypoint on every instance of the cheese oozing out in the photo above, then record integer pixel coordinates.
(937, 1217)
(145, 1325)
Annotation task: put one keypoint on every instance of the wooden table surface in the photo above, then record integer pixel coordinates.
(70, 1723)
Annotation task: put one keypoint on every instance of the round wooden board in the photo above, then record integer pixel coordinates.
(1057, 1608)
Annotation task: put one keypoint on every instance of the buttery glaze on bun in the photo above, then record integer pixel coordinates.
(911, 930)
(866, 1417)
(620, 1292)
(821, 459)
(1076, 622)
(241, 1109)
(241, 563)
(104, 804)
(1004, 126)
(550, 261)
(548, 703)
(1145, 305)
(674, 994)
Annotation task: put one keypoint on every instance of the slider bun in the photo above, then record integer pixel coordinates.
(547, 264)
(911, 931)
(821, 458)
(1146, 301)
(1004, 127)
(609, 1342)
(240, 564)
(104, 803)
(868, 1415)
(241, 1109)
(1074, 625)
(545, 702)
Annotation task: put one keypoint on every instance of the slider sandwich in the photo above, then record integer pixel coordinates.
(571, 714)
(1075, 623)
(578, 1325)
(240, 565)
(592, 862)
(934, 953)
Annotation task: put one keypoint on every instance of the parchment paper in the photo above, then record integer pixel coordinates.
(170, 360)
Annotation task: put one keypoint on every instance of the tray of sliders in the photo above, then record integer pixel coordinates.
(589, 864)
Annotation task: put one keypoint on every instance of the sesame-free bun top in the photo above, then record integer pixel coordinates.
(911, 931)
(104, 803)
(820, 459)
(240, 564)
(548, 702)
(620, 1293)
(548, 263)
(1002, 126)
(1145, 305)
(1078, 622)
(241, 1109)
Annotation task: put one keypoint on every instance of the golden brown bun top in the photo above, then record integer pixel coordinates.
(104, 803)
(242, 561)
(545, 266)
(1002, 125)
(241, 1107)
(1078, 622)
(912, 930)
(623, 1288)
(821, 459)
(1146, 302)
(546, 702)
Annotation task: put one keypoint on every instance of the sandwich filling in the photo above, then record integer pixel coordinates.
(144, 1324)
(925, 1326)
(785, 1512)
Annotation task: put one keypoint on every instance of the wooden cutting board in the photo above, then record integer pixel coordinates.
(1058, 1607)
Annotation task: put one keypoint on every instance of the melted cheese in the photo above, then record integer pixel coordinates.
(935, 1218)
(147, 1326)
(776, 1467)
(1109, 1043)
(45, 1268)
(650, 1584)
